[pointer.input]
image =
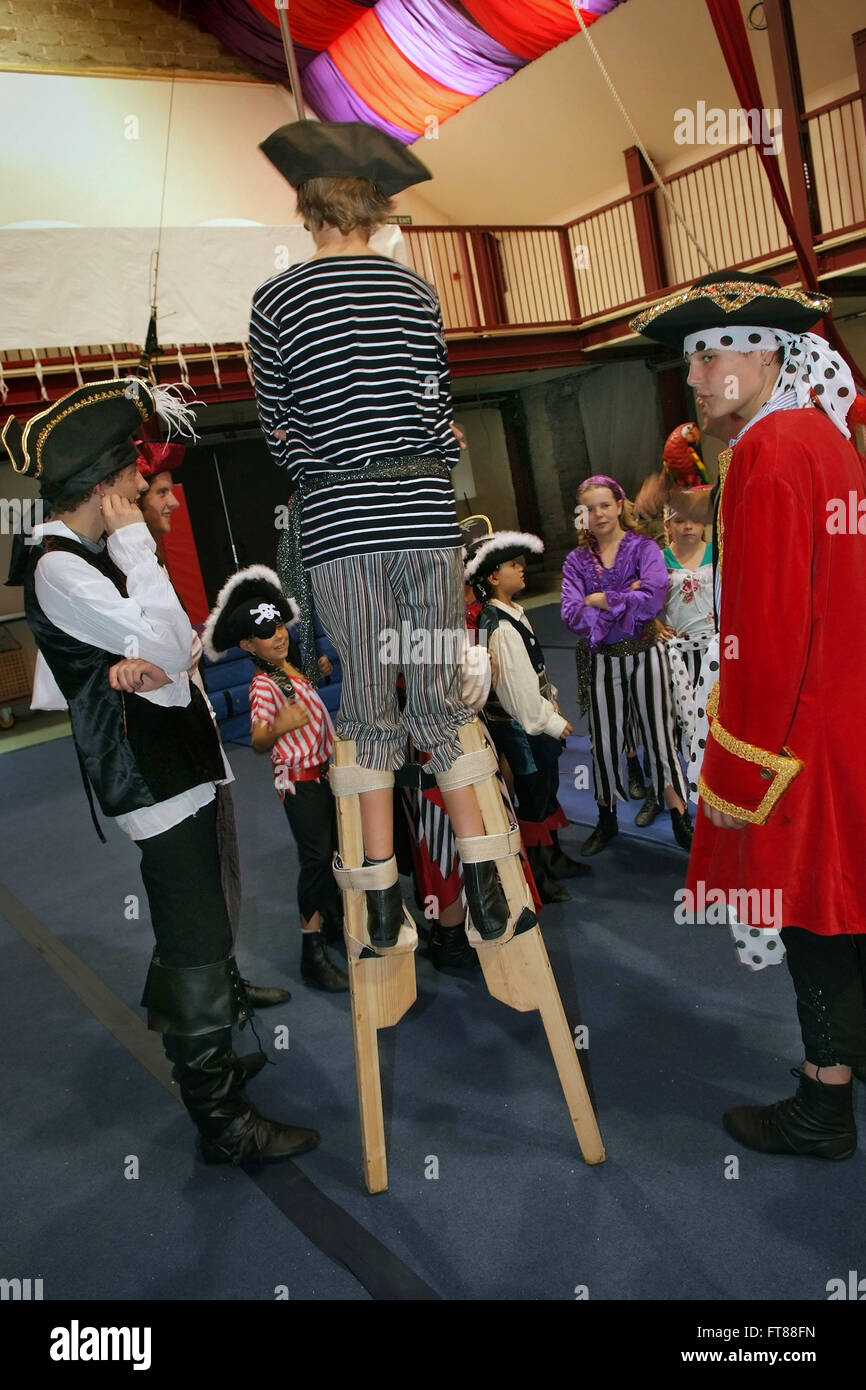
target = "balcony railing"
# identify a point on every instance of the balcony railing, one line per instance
(530, 277)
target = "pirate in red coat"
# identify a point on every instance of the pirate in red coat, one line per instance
(780, 840)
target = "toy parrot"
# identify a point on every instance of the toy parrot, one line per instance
(681, 460)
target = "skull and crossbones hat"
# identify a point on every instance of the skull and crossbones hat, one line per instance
(250, 604)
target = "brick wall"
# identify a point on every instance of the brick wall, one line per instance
(134, 34)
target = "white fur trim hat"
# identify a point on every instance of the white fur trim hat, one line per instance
(487, 554)
(250, 604)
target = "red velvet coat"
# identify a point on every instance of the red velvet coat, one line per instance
(793, 677)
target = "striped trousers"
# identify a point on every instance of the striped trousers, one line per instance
(639, 684)
(391, 612)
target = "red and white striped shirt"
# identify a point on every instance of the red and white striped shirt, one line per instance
(301, 750)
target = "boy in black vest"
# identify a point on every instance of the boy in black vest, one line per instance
(117, 648)
(524, 719)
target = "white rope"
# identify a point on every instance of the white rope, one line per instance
(657, 178)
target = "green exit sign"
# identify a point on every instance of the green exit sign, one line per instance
(401, 220)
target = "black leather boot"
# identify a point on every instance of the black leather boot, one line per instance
(265, 996)
(605, 830)
(317, 968)
(230, 1128)
(651, 808)
(450, 950)
(488, 907)
(384, 914)
(636, 787)
(818, 1121)
(560, 865)
(194, 1008)
(683, 830)
(549, 890)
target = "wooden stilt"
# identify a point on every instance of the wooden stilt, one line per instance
(382, 987)
(517, 970)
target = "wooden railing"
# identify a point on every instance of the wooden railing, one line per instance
(529, 277)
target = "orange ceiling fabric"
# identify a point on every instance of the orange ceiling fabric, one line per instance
(392, 86)
(527, 29)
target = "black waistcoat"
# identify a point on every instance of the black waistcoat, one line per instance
(488, 621)
(133, 752)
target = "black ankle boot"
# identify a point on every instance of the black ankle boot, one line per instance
(818, 1120)
(683, 830)
(488, 907)
(265, 996)
(636, 788)
(605, 830)
(450, 950)
(560, 865)
(317, 968)
(549, 890)
(651, 808)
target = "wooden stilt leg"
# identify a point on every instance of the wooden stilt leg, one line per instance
(382, 987)
(517, 970)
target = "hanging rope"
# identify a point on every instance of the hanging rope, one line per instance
(657, 178)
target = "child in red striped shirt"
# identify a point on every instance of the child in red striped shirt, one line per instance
(289, 721)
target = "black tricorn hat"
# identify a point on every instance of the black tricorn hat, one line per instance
(93, 423)
(729, 298)
(342, 149)
(250, 604)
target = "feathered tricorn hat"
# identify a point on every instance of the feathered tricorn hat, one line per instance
(489, 552)
(250, 604)
(87, 434)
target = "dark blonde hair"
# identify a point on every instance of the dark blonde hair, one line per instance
(345, 203)
(627, 521)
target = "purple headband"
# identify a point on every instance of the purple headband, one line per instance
(602, 480)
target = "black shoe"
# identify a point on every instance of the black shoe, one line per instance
(317, 968)
(606, 829)
(818, 1121)
(450, 950)
(250, 1138)
(683, 830)
(384, 914)
(488, 906)
(636, 788)
(265, 996)
(559, 865)
(549, 890)
(651, 808)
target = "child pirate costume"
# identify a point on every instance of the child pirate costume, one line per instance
(251, 608)
(778, 756)
(152, 757)
(521, 712)
(353, 391)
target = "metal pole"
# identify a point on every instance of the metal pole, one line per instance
(226, 511)
(282, 7)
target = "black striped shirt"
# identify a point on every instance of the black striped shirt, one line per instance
(349, 359)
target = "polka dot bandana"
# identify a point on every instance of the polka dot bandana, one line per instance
(811, 368)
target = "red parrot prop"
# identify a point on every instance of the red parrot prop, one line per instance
(856, 421)
(681, 461)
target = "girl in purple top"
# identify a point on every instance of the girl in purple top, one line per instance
(614, 585)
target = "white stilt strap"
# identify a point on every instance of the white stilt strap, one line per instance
(381, 875)
(349, 780)
(480, 849)
(469, 768)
